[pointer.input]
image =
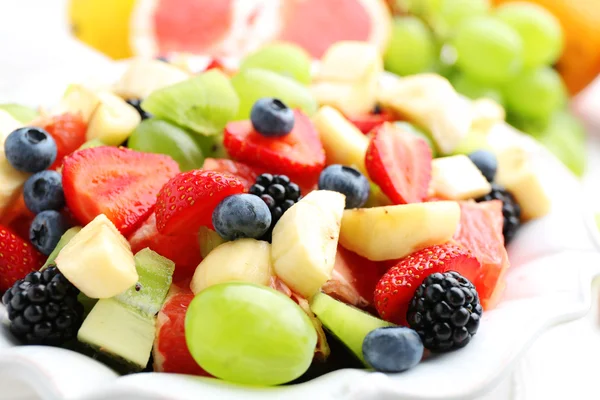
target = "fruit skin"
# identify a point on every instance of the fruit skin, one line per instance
(43, 308)
(241, 216)
(480, 232)
(397, 286)
(43, 191)
(68, 131)
(510, 210)
(392, 232)
(243, 172)
(297, 63)
(170, 351)
(30, 149)
(392, 349)
(348, 181)
(46, 230)
(445, 311)
(400, 164)
(299, 155)
(271, 117)
(305, 241)
(183, 250)
(17, 258)
(131, 177)
(486, 162)
(187, 201)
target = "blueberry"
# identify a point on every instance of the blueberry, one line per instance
(137, 104)
(392, 349)
(348, 181)
(241, 216)
(271, 117)
(30, 149)
(486, 162)
(46, 229)
(43, 191)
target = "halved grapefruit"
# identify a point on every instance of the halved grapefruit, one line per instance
(233, 28)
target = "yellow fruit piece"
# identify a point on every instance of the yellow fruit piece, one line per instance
(103, 25)
(113, 120)
(457, 178)
(343, 142)
(391, 232)
(11, 180)
(78, 99)
(143, 77)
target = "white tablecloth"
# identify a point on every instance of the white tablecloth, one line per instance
(36, 51)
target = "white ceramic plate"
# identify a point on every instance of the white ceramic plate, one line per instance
(554, 261)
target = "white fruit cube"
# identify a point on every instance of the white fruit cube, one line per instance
(143, 77)
(457, 178)
(350, 61)
(113, 120)
(343, 142)
(98, 260)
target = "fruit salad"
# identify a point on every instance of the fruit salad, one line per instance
(262, 225)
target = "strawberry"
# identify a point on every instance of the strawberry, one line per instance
(68, 131)
(299, 155)
(367, 122)
(245, 173)
(17, 258)
(18, 218)
(400, 163)
(187, 201)
(397, 286)
(183, 250)
(117, 182)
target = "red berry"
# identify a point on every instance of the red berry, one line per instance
(187, 201)
(68, 131)
(367, 122)
(398, 285)
(245, 173)
(17, 258)
(400, 163)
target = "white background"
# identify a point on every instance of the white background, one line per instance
(35, 51)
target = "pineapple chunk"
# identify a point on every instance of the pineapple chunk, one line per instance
(245, 260)
(145, 76)
(348, 98)
(387, 233)
(98, 260)
(457, 178)
(343, 142)
(305, 241)
(78, 99)
(11, 180)
(113, 120)
(516, 174)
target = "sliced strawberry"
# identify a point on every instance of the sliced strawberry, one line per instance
(117, 182)
(400, 163)
(183, 250)
(68, 131)
(18, 218)
(299, 154)
(367, 122)
(187, 201)
(17, 258)
(397, 286)
(245, 173)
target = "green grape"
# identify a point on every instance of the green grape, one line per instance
(204, 103)
(453, 12)
(412, 48)
(424, 9)
(21, 113)
(474, 89)
(535, 93)
(488, 49)
(284, 58)
(157, 136)
(565, 138)
(249, 334)
(407, 126)
(540, 31)
(253, 83)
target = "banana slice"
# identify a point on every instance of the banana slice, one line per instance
(305, 241)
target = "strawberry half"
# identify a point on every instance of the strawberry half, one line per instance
(68, 131)
(17, 258)
(400, 163)
(245, 173)
(187, 201)
(117, 182)
(299, 155)
(397, 287)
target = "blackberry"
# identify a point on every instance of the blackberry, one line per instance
(445, 311)
(137, 104)
(43, 308)
(510, 210)
(279, 193)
